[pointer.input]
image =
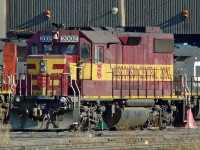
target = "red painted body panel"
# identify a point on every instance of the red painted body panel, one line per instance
(126, 89)
(10, 59)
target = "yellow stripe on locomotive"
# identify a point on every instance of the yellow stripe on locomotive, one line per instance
(135, 72)
(54, 67)
(49, 68)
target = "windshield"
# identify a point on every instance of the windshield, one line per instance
(68, 49)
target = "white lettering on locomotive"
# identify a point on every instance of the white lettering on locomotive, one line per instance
(69, 38)
(196, 76)
(46, 38)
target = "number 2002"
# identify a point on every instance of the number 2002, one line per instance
(70, 38)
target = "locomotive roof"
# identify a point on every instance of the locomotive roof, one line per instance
(110, 35)
(185, 50)
(142, 33)
(100, 36)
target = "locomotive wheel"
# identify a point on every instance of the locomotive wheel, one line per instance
(146, 125)
(73, 128)
(162, 125)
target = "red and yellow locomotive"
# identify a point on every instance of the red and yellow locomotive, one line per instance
(90, 76)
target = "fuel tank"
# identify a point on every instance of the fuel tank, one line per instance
(127, 117)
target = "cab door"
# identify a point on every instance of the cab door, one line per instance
(98, 63)
(99, 71)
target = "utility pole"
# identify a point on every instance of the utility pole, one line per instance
(123, 16)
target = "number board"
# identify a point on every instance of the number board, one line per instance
(46, 38)
(69, 38)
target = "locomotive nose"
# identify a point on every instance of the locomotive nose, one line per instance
(48, 76)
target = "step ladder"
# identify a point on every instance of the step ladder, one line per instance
(187, 94)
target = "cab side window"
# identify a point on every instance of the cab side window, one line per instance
(47, 48)
(33, 49)
(69, 49)
(85, 51)
(99, 54)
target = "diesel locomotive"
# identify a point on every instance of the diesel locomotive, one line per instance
(88, 78)
(8, 59)
(187, 62)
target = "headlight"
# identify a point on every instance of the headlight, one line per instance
(43, 66)
(43, 63)
(43, 69)
(17, 99)
(62, 99)
(22, 77)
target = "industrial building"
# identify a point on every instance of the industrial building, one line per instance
(21, 18)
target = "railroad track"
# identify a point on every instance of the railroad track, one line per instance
(169, 138)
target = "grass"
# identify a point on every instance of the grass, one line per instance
(4, 135)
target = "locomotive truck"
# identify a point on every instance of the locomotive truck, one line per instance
(84, 78)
